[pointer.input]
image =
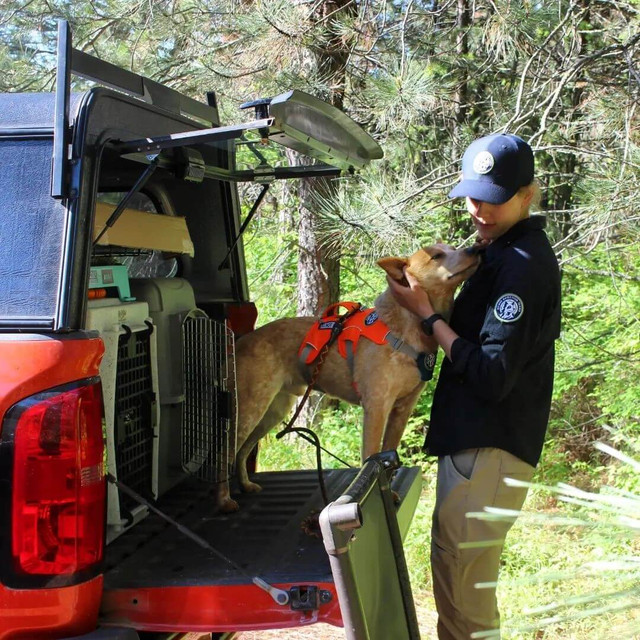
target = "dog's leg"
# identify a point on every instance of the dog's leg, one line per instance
(224, 501)
(254, 399)
(278, 409)
(398, 419)
(376, 409)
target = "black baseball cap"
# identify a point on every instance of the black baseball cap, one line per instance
(494, 168)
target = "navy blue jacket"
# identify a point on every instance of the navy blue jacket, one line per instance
(496, 389)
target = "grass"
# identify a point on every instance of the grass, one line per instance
(570, 571)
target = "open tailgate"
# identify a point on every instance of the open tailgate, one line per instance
(158, 579)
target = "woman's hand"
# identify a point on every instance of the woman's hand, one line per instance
(414, 297)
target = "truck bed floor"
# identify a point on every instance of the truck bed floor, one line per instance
(265, 538)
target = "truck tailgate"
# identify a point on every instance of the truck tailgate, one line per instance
(156, 578)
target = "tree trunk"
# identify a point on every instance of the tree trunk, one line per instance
(319, 274)
(463, 20)
(313, 280)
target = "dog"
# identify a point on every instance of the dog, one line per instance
(386, 382)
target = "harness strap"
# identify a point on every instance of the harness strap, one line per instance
(348, 345)
(306, 350)
(426, 362)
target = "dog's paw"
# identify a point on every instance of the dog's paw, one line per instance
(251, 487)
(229, 505)
(311, 525)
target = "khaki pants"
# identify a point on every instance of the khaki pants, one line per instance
(467, 482)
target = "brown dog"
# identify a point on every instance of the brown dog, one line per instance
(270, 376)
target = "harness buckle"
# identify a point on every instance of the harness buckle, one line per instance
(337, 328)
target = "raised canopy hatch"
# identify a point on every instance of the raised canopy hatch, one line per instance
(316, 128)
(293, 119)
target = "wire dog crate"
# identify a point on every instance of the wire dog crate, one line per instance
(134, 402)
(209, 409)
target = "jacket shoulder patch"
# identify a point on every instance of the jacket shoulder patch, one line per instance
(508, 308)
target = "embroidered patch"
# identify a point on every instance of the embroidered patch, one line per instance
(327, 325)
(509, 308)
(371, 318)
(483, 162)
(426, 364)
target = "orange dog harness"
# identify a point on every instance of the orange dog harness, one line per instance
(357, 323)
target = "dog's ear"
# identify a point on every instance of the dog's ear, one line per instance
(394, 267)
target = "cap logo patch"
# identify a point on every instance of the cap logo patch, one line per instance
(509, 308)
(483, 162)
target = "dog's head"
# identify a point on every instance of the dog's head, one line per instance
(438, 268)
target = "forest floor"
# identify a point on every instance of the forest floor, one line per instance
(425, 610)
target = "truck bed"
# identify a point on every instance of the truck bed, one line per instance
(158, 579)
(266, 538)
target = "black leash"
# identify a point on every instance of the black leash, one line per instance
(303, 431)
(315, 442)
(312, 437)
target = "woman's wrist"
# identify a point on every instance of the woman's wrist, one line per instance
(426, 310)
(428, 322)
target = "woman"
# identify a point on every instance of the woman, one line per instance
(491, 404)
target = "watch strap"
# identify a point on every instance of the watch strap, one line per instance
(427, 323)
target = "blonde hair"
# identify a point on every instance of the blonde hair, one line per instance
(536, 194)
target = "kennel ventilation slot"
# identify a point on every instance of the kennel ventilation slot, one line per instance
(209, 409)
(129, 374)
(135, 402)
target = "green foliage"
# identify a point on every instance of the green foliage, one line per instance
(598, 363)
(564, 75)
(583, 577)
(403, 94)
(363, 216)
(288, 453)
(340, 431)
(271, 269)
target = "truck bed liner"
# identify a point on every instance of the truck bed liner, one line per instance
(265, 538)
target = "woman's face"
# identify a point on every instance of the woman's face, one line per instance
(492, 220)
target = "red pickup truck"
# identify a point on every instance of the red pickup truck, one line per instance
(123, 288)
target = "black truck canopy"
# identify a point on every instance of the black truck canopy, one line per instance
(52, 145)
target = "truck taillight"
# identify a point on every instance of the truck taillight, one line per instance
(58, 501)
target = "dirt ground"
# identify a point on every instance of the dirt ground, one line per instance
(321, 631)
(425, 610)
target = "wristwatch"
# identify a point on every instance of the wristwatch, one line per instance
(427, 323)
